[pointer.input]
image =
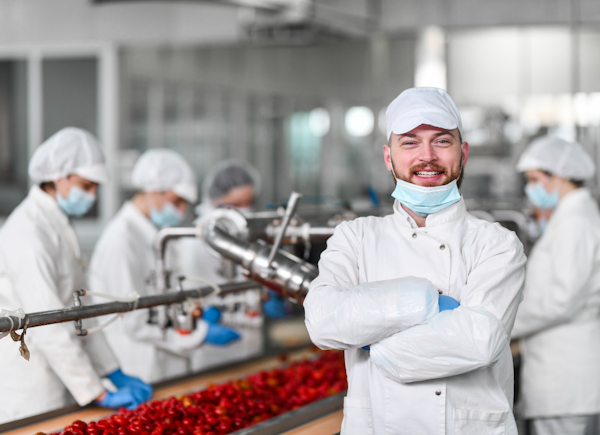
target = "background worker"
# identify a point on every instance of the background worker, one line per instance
(123, 262)
(40, 268)
(559, 320)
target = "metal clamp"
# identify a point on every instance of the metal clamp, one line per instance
(290, 211)
(79, 330)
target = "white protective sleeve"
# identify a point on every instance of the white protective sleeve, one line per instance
(556, 293)
(340, 314)
(34, 273)
(183, 345)
(100, 353)
(470, 337)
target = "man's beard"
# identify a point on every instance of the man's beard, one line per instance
(454, 175)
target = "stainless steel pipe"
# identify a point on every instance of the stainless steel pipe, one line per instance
(95, 310)
(160, 245)
(290, 276)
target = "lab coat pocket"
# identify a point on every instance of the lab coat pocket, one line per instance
(357, 416)
(472, 422)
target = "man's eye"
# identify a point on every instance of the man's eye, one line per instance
(409, 143)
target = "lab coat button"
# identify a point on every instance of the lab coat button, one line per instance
(414, 235)
(442, 247)
(438, 392)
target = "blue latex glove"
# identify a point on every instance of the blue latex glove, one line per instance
(220, 335)
(366, 347)
(212, 315)
(123, 398)
(447, 303)
(140, 388)
(275, 307)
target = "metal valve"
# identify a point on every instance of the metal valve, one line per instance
(267, 271)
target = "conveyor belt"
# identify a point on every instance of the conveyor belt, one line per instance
(324, 418)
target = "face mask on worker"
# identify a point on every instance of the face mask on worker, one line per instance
(168, 216)
(425, 200)
(539, 196)
(77, 203)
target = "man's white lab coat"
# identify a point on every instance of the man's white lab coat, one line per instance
(559, 319)
(451, 375)
(40, 267)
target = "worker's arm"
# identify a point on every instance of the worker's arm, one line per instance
(473, 335)
(556, 291)
(116, 269)
(34, 274)
(343, 314)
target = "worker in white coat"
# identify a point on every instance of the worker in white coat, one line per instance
(40, 268)
(234, 185)
(229, 184)
(417, 362)
(123, 263)
(559, 319)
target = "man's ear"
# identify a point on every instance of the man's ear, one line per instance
(465, 153)
(387, 156)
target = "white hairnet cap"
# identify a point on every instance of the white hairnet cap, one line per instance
(160, 170)
(418, 106)
(68, 151)
(557, 156)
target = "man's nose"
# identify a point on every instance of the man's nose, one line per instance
(427, 153)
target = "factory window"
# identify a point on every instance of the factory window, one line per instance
(13, 134)
(305, 149)
(359, 121)
(70, 99)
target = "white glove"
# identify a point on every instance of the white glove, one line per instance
(181, 344)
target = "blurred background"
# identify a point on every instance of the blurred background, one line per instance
(296, 87)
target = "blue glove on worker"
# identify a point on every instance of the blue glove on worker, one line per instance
(121, 380)
(141, 389)
(212, 315)
(125, 397)
(275, 307)
(447, 303)
(220, 335)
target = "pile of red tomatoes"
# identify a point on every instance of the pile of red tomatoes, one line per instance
(226, 408)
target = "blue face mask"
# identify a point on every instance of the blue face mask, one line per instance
(426, 200)
(540, 197)
(77, 203)
(169, 216)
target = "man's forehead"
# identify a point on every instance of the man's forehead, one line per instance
(428, 129)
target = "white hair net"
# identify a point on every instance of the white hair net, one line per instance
(418, 106)
(557, 156)
(68, 151)
(160, 170)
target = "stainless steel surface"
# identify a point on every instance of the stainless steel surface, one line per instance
(95, 310)
(298, 417)
(291, 275)
(300, 233)
(160, 245)
(293, 202)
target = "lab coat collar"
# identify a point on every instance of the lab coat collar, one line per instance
(52, 211)
(49, 205)
(452, 213)
(573, 201)
(140, 221)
